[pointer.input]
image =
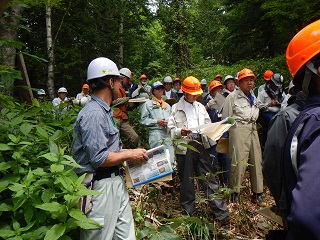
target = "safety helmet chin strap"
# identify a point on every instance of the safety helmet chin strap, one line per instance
(310, 69)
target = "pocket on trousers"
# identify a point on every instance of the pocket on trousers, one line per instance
(85, 202)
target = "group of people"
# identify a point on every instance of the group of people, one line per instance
(289, 160)
(81, 99)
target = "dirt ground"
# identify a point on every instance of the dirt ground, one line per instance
(156, 201)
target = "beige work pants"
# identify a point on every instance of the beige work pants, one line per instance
(244, 149)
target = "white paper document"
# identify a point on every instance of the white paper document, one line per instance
(156, 167)
(216, 130)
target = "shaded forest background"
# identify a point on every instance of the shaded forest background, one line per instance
(158, 38)
(58, 39)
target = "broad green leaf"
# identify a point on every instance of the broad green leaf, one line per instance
(53, 147)
(88, 224)
(4, 207)
(25, 143)
(71, 200)
(13, 138)
(55, 232)
(51, 157)
(15, 187)
(7, 233)
(4, 147)
(28, 213)
(25, 128)
(55, 135)
(42, 133)
(52, 207)
(189, 147)
(26, 228)
(71, 164)
(16, 121)
(36, 102)
(77, 214)
(47, 194)
(55, 168)
(15, 225)
(18, 202)
(39, 172)
(4, 166)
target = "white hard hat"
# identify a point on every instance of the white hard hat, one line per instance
(101, 67)
(125, 72)
(41, 92)
(277, 79)
(227, 78)
(203, 82)
(62, 90)
(167, 79)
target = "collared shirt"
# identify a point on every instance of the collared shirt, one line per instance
(191, 114)
(239, 107)
(95, 134)
(82, 95)
(168, 93)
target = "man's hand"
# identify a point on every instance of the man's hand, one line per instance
(185, 132)
(162, 122)
(138, 155)
(274, 102)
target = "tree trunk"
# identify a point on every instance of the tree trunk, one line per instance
(121, 40)
(9, 33)
(50, 49)
(3, 4)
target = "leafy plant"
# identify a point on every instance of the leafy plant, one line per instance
(38, 187)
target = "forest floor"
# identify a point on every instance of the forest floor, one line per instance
(156, 202)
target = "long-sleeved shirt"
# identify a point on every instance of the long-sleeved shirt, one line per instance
(95, 134)
(238, 106)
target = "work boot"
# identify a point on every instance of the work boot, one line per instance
(223, 219)
(235, 197)
(257, 199)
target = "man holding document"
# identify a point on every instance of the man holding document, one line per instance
(186, 115)
(98, 149)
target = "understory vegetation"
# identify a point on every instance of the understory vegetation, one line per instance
(39, 189)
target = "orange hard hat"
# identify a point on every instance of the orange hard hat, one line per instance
(143, 76)
(303, 46)
(246, 72)
(85, 86)
(191, 85)
(217, 76)
(267, 75)
(176, 79)
(214, 84)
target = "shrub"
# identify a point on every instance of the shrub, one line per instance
(38, 188)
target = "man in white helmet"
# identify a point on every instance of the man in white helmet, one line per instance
(41, 94)
(98, 149)
(62, 98)
(168, 93)
(204, 88)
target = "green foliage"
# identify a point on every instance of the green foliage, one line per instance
(38, 187)
(193, 227)
(141, 130)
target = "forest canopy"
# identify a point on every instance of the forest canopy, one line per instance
(158, 37)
